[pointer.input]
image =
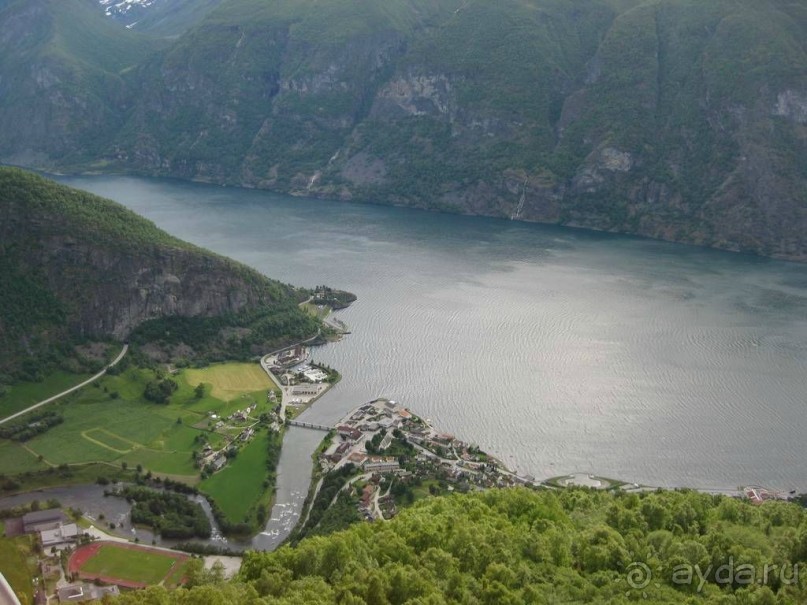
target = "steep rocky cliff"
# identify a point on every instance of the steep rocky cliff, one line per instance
(674, 119)
(77, 267)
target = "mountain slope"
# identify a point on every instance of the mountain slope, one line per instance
(61, 87)
(77, 267)
(514, 547)
(674, 119)
(158, 17)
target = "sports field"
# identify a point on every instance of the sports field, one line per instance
(125, 564)
(229, 380)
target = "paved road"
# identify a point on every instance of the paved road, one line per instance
(71, 389)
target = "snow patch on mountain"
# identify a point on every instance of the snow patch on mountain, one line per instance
(126, 9)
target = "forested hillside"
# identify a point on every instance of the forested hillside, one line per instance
(77, 268)
(517, 546)
(676, 119)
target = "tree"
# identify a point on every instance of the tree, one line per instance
(160, 391)
(199, 391)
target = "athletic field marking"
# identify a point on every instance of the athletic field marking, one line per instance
(86, 435)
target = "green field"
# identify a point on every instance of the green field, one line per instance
(239, 486)
(146, 566)
(229, 380)
(18, 566)
(25, 394)
(111, 422)
(14, 459)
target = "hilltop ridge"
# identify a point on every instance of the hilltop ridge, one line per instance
(673, 119)
(77, 267)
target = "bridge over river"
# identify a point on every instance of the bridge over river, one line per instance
(310, 425)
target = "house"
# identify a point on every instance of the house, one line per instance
(219, 463)
(306, 389)
(385, 442)
(348, 432)
(76, 593)
(381, 465)
(61, 536)
(357, 458)
(43, 519)
(443, 438)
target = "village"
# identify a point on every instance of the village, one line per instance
(388, 455)
(298, 383)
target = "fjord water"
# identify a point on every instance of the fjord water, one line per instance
(556, 350)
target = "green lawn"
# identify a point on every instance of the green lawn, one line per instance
(239, 486)
(18, 566)
(177, 575)
(110, 422)
(14, 459)
(146, 566)
(227, 381)
(25, 394)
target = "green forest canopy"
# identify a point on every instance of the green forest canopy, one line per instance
(519, 546)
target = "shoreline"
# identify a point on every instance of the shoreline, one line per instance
(571, 480)
(68, 173)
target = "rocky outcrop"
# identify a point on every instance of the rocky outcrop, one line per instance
(121, 289)
(105, 271)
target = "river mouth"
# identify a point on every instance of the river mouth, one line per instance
(557, 350)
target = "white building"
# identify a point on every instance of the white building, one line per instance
(315, 375)
(61, 536)
(381, 465)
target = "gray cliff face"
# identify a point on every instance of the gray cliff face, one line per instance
(108, 286)
(120, 290)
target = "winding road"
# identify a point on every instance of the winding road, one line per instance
(71, 389)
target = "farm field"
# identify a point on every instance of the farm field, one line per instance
(126, 564)
(25, 394)
(229, 380)
(15, 459)
(239, 486)
(111, 422)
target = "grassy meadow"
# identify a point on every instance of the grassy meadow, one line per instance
(18, 565)
(110, 422)
(239, 486)
(25, 394)
(109, 425)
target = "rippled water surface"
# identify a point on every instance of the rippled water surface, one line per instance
(557, 350)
